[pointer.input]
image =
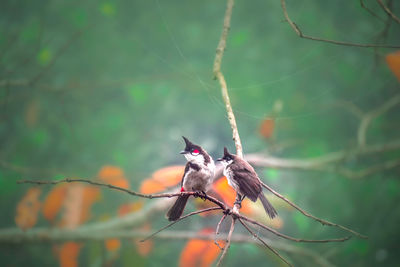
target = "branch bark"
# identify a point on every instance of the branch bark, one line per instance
(388, 11)
(264, 243)
(44, 235)
(322, 163)
(218, 75)
(298, 31)
(373, 114)
(228, 242)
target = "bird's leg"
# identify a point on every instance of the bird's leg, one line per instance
(201, 194)
(238, 200)
(204, 195)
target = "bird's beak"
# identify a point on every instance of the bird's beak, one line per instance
(183, 152)
(220, 159)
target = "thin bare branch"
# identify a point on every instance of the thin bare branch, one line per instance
(370, 11)
(180, 219)
(228, 242)
(40, 235)
(300, 240)
(322, 162)
(301, 35)
(323, 222)
(217, 230)
(130, 192)
(388, 11)
(218, 75)
(350, 107)
(263, 242)
(387, 165)
(370, 116)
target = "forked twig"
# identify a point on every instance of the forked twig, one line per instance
(302, 35)
(323, 222)
(217, 230)
(370, 11)
(373, 114)
(180, 219)
(228, 242)
(300, 240)
(218, 75)
(130, 192)
(263, 242)
(388, 11)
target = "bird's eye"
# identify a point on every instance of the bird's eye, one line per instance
(195, 152)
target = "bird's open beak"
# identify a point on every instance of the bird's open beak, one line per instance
(183, 152)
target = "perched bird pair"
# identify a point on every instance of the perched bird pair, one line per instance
(199, 175)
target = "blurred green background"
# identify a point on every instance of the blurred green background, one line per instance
(85, 84)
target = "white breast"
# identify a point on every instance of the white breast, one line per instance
(199, 180)
(228, 174)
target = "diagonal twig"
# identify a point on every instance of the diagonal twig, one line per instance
(323, 222)
(263, 242)
(386, 165)
(40, 235)
(302, 35)
(218, 75)
(370, 11)
(180, 219)
(388, 11)
(217, 230)
(300, 240)
(130, 192)
(373, 114)
(228, 243)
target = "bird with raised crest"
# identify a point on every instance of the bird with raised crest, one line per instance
(244, 179)
(198, 176)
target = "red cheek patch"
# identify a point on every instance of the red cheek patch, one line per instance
(195, 151)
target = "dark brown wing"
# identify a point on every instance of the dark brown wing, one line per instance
(246, 178)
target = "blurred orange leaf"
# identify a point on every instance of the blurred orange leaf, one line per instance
(78, 201)
(267, 127)
(144, 248)
(150, 186)
(54, 202)
(112, 244)
(393, 61)
(169, 176)
(228, 194)
(113, 175)
(199, 252)
(162, 179)
(28, 208)
(68, 254)
(249, 208)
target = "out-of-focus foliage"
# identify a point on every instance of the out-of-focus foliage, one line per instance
(85, 85)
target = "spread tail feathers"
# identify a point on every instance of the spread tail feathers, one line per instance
(267, 206)
(176, 210)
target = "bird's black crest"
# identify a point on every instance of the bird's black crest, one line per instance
(190, 146)
(227, 156)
